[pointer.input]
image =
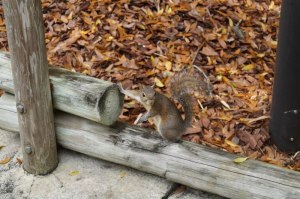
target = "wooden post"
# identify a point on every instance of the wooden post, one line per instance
(25, 29)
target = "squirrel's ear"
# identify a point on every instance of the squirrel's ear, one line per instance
(141, 87)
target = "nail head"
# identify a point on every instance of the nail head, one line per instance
(28, 149)
(20, 108)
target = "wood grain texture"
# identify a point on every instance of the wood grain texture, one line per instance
(75, 93)
(25, 31)
(187, 163)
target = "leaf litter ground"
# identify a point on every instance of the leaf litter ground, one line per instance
(146, 42)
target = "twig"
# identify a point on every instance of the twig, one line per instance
(209, 89)
(223, 102)
(193, 61)
(239, 22)
(138, 118)
(199, 47)
(296, 154)
(200, 104)
(258, 119)
(159, 55)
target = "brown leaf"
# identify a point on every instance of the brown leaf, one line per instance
(205, 122)
(127, 63)
(63, 45)
(248, 139)
(5, 160)
(207, 50)
(20, 161)
(222, 43)
(64, 19)
(192, 131)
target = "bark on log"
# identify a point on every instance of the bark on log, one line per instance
(25, 32)
(75, 93)
(190, 164)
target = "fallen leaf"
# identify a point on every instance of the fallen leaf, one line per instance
(5, 160)
(20, 161)
(158, 82)
(240, 160)
(205, 122)
(209, 51)
(248, 67)
(248, 138)
(168, 65)
(123, 174)
(1, 146)
(64, 19)
(180, 189)
(230, 22)
(74, 173)
(191, 130)
(231, 143)
(272, 5)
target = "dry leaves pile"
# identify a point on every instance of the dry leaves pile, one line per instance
(146, 41)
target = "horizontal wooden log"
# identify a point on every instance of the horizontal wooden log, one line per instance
(74, 93)
(187, 163)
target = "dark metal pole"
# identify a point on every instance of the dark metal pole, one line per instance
(285, 113)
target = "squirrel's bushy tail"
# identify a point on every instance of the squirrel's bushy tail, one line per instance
(182, 87)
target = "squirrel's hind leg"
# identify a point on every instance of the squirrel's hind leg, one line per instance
(172, 135)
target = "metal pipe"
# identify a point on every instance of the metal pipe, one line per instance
(285, 112)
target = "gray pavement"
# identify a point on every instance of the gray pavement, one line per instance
(79, 177)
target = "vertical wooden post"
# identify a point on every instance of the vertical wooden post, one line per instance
(25, 29)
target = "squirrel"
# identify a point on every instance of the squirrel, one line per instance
(167, 118)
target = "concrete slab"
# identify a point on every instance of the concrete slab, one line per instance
(79, 177)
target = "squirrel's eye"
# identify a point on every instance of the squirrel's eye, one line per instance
(144, 95)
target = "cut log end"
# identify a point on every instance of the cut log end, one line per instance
(110, 105)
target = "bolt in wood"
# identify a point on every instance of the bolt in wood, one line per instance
(20, 108)
(28, 149)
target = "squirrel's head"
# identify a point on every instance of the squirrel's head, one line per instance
(147, 95)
